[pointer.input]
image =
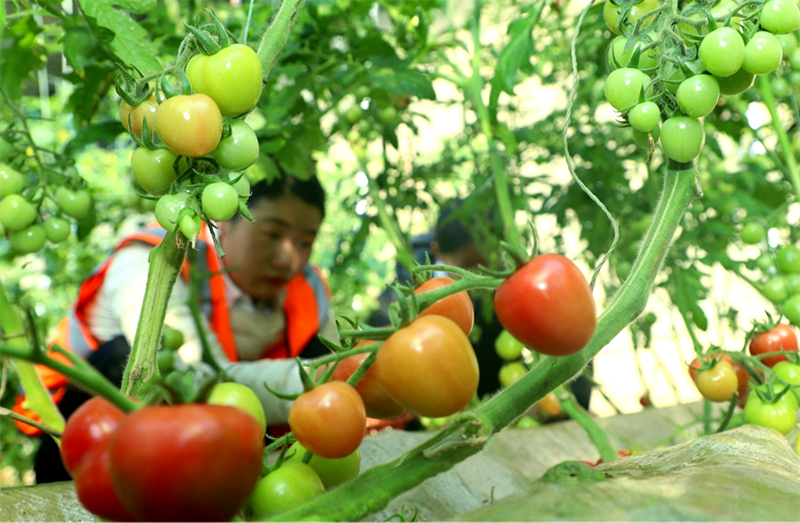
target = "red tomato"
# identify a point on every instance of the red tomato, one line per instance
(429, 367)
(188, 462)
(548, 306)
(377, 400)
(94, 487)
(330, 420)
(457, 307)
(781, 337)
(90, 425)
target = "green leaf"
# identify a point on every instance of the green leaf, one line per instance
(401, 82)
(131, 43)
(518, 49)
(78, 43)
(91, 134)
(90, 90)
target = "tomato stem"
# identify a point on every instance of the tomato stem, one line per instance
(589, 424)
(275, 38)
(165, 264)
(791, 164)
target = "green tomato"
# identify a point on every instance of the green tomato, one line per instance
(794, 283)
(168, 209)
(189, 225)
(698, 96)
(242, 186)
(722, 51)
(682, 138)
(507, 346)
(292, 484)
(28, 240)
(611, 13)
(171, 339)
(239, 150)
(220, 201)
(56, 229)
(11, 181)
(6, 149)
(75, 204)
(643, 139)
(623, 87)
(791, 309)
(528, 422)
(153, 169)
(776, 289)
(788, 44)
(780, 87)
(231, 77)
(241, 396)
(618, 57)
(781, 415)
(788, 372)
(780, 16)
(166, 361)
(332, 471)
(765, 262)
(794, 61)
(388, 115)
(762, 54)
(753, 233)
(16, 213)
(354, 114)
(788, 259)
(737, 83)
(511, 373)
(644, 117)
(623, 269)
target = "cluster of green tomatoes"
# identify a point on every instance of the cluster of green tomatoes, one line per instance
(194, 144)
(27, 218)
(780, 271)
(675, 66)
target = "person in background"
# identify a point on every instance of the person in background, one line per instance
(263, 305)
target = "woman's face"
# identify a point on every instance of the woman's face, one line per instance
(263, 256)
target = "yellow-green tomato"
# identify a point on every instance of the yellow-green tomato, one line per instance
(780, 415)
(292, 484)
(232, 78)
(332, 471)
(507, 346)
(239, 150)
(788, 372)
(511, 373)
(238, 395)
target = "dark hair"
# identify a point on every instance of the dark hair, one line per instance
(452, 233)
(309, 191)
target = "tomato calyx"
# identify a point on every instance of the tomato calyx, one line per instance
(768, 394)
(211, 44)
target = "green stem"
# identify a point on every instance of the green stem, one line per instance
(592, 428)
(706, 416)
(389, 224)
(468, 433)
(783, 138)
(36, 394)
(165, 264)
(275, 38)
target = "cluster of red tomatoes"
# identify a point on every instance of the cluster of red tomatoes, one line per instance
(772, 401)
(682, 81)
(21, 215)
(780, 271)
(202, 133)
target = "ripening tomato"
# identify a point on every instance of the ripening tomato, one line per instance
(94, 487)
(457, 307)
(429, 367)
(742, 377)
(718, 383)
(548, 306)
(377, 400)
(550, 405)
(232, 77)
(191, 462)
(329, 420)
(332, 472)
(240, 396)
(781, 337)
(133, 117)
(92, 423)
(190, 125)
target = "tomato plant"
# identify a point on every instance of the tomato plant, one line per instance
(548, 306)
(429, 367)
(190, 125)
(153, 169)
(292, 484)
(780, 415)
(781, 337)
(220, 201)
(718, 383)
(188, 462)
(332, 472)
(232, 78)
(240, 396)
(329, 420)
(377, 400)
(456, 307)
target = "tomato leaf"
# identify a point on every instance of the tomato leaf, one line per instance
(78, 44)
(130, 42)
(91, 134)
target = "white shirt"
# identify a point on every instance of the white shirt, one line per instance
(118, 304)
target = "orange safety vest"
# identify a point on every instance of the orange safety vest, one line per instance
(305, 306)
